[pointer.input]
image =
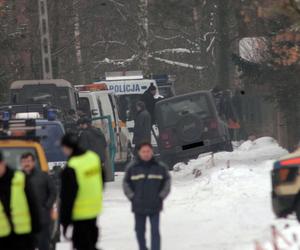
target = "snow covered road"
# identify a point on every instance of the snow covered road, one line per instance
(226, 208)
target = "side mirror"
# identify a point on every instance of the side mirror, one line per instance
(94, 112)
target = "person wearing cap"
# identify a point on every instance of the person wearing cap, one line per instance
(149, 100)
(20, 215)
(81, 193)
(91, 138)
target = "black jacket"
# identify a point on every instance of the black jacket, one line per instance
(142, 128)
(149, 101)
(146, 184)
(69, 188)
(19, 241)
(46, 194)
(93, 139)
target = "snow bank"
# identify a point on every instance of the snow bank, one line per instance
(230, 193)
(248, 153)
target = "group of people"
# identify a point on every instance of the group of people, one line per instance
(27, 195)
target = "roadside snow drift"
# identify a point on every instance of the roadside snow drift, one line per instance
(218, 202)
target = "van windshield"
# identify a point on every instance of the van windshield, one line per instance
(12, 156)
(45, 94)
(172, 111)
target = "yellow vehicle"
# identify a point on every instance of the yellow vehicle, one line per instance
(18, 137)
(12, 150)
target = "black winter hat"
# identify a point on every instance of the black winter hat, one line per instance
(70, 140)
(152, 87)
(84, 120)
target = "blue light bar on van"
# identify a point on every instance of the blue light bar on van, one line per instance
(51, 114)
(5, 116)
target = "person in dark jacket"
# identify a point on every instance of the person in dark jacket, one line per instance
(14, 240)
(142, 125)
(91, 138)
(46, 196)
(81, 193)
(146, 184)
(149, 100)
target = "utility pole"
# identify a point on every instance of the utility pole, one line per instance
(45, 40)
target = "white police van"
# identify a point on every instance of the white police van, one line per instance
(128, 86)
(97, 101)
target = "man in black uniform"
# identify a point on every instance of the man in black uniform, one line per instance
(146, 184)
(46, 194)
(142, 126)
(149, 100)
(19, 211)
(81, 193)
(91, 138)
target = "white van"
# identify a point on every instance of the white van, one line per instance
(103, 103)
(128, 93)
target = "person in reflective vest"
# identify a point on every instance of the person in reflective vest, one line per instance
(81, 193)
(19, 211)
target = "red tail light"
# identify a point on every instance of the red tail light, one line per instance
(283, 174)
(166, 139)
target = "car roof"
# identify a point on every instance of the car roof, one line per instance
(57, 82)
(184, 96)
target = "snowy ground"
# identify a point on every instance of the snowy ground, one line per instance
(226, 207)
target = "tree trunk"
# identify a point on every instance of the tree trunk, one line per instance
(223, 45)
(143, 37)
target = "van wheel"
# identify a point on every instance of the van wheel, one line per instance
(297, 209)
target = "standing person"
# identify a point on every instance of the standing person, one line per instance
(81, 193)
(19, 211)
(142, 125)
(149, 100)
(46, 196)
(146, 184)
(91, 138)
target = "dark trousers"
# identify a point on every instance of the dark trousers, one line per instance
(17, 242)
(85, 234)
(43, 238)
(140, 228)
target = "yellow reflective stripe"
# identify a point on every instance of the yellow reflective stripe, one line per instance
(138, 177)
(19, 205)
(5, 228)
(155, 176)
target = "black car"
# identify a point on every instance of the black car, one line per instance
(188, 126)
